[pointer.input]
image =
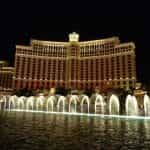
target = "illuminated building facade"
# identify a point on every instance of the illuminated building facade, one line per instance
(6, 76)
(74, 64)
(3, 63)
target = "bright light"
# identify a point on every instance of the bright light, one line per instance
(83, 114)
(73, 37)
(52, 91)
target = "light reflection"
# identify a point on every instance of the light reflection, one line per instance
(79, 105)
(84, 114)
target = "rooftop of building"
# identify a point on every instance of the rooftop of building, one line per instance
(3, 62)
(74, 37)
(125, 44)
(7, 69)
(100, 41)
(23, 47)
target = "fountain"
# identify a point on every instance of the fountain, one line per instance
(61, 104)
(73, 103)
(131, 106)
(12, 102)
(50, 103)
(3, 102)
(146, 105)
(99, 104)
(40, 103)
(77, 105)
(20, 102)
(85, 100)
(114, 105)
(30, 103)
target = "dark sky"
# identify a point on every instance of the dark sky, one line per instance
(20, 21)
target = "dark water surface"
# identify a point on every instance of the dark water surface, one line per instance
(37, 131)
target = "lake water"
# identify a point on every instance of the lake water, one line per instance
(40, 131)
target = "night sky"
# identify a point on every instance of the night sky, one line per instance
(21, 21)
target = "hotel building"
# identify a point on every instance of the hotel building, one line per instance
(6, 76)
(74, 64)
(3, 63)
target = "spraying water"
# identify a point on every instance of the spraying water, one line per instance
(85, 99)
(50, 103)
(69, 105)
(40, 102)
(12, 102)
(61, 104)
(114, 105)
(131, 106)
(99, 104)
(3, 102)
(73, 103)
(21, 102)
(146, 105)
(30, 103)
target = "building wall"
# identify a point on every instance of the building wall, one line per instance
(6, 77)
(80, 65)
(3, 63)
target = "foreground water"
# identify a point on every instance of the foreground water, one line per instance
(40, 131)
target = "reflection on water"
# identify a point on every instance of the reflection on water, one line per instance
(39, 131)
